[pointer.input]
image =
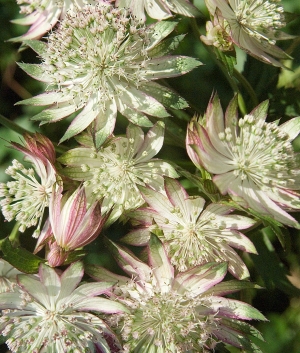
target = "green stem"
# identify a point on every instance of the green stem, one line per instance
(242, 79)
(15, 234)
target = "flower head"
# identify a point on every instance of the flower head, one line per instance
(252, 160)
(26, 198)
(101, 61)
(173, 313)
(72, 225)
(252, 25)
(158, 9)
(192, 234)
(8, 276)
(50, 313)
(114, 172)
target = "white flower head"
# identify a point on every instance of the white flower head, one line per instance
(173, 313)
(51, 313)
(101, 61)
(158, 9)
(252, 25)
(253, 161)
(26, 198)
(192, 234)
(113, 173)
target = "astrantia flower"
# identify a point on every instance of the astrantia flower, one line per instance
(42, 15)
(8, 276)
(114, 172)
(51, 313)
(252, 160)
(100, 61)
(193, 235)
(26, 198)
(72, 225)
(177, 313)
(253, 25)
(158, 9)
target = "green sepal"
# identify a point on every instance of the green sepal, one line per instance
(74, 256)
(164, 95)
(38, 46)
(166, 46)
(20, 258)
(34, 70)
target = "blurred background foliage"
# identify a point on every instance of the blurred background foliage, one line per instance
(277, 268)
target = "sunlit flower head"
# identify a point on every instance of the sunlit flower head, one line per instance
(252, 25)
(26, 198)
(192, 234)
(43, 15)
(71, 225)
(8, 276)
(113, 173)
(253, 161)
(101, 61)
(158, 9)
(51, 313)
(171, 313)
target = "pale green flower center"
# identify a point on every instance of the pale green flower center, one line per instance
(169, 322)
(93, 51)
(260, 17)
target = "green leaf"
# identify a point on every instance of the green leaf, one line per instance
(272, 270)
(20, 258)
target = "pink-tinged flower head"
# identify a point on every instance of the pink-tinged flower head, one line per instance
(71, 225)
(158, 9)
(173, 313)
(192, 234)
(252, 25)
(251, 160)
(100, 61)
(26, 198)
(51, 313)
(114, 172)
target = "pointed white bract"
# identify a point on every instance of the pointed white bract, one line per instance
(8, 276)
(192, 233)
(253, 161)
(158, 9)
(173, 313)
(51, 313)
(252, 25)
(113, 173)
(26, 198)
(101, 61)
